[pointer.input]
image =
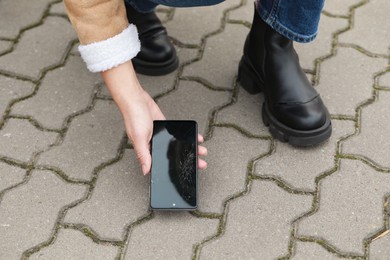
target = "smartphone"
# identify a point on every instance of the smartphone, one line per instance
(174, 173)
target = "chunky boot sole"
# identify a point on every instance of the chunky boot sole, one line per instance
(250, 81)
(292, 136)
(154, 68)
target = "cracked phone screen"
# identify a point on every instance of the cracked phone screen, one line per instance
(174, 165)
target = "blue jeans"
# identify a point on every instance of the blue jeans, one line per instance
(296, 20)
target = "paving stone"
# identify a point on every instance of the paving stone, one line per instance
(161, 84)
(39, 48)
(244, 13)
(346, 81)
(384, 80)
(33, 209)
(376, 31)
(179, 228)
(13, 15)
(63, 91)
(19, 140)
(258, 224)
(120, 197)
(322, 45)
(75, 51)
(10, 175)
(164, 13)
(373, 141)
(220, 60)
(351, 207)
(185, 20)
(58, 8)
(307, 251)
(4, 46)
(72, 244)
(158, 85)
(92, 138)
(380, 248)
(229, 152)
(299, 167)
(245, 113)
(192, 101)
(337, 7)
(11, 89)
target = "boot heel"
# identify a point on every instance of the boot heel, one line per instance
(248, 78)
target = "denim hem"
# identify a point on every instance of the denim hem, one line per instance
(283, 30)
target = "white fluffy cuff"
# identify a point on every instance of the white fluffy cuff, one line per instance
(104, 55)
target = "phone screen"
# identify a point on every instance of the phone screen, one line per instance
(174, 165)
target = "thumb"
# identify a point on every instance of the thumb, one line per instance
(141, 148)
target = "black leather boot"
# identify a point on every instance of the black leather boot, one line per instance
(293, 110)
(157, 56)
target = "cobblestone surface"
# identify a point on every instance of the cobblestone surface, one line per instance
(70, 184)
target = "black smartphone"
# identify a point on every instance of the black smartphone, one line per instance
(174, 173)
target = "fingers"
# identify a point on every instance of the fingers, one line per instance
(202, 150)
(202, 164)
(200, 138)
(141, 148)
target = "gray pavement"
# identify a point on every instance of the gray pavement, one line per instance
(70, 185)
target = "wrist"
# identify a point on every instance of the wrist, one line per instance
(122, 83)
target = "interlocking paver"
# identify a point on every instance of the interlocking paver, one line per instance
(226, 173)
(245, 113)
(164, 13)
(346, 81)
(219, 64)
(258, 224)
(179, 228)
(13, 15)
(336, 7)
(10, 175)
(351, 207)
(376, 31)
(92, 138)
(373, 141)
(159, 85)
(68, 245)
(39, 48)
(306, 251)
(384, 81)
(11, 89)
(4, 46)
(63, 91)
(29, 212)
(380, 248)
(19, 139)
(178, 28)
(299, 167)
(322, 46)
(58, 8)
(193, 101)
(120, 197)
(243, 14)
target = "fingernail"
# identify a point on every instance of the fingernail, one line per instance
(144, 169)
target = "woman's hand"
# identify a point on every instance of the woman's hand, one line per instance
(138, 110)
